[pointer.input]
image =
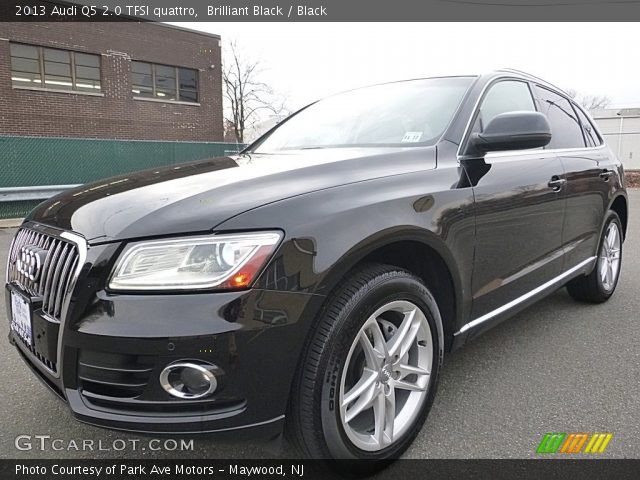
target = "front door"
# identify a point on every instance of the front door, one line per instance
(519, 205)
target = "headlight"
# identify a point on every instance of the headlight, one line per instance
(221, 261)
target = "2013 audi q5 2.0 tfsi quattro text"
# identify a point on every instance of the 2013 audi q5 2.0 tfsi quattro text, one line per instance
(313, 283)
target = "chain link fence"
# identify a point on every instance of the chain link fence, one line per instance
(57, 163)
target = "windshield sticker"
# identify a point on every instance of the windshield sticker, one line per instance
(411, 137)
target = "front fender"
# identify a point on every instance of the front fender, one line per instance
(328, 232)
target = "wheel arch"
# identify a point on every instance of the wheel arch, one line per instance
(420, 252)
(619, 205)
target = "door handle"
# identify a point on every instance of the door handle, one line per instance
(606, 175)
(556, 183)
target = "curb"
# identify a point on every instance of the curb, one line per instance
(10, 222)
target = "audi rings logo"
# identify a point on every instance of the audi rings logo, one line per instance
(30, 261)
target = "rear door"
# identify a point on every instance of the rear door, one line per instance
(519, 202)
(589, 173)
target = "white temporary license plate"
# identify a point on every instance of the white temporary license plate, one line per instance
(21, 317)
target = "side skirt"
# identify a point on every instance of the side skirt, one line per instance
(554, 282)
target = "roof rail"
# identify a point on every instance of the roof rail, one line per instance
(527, 74)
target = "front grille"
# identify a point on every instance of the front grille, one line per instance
(56, 272)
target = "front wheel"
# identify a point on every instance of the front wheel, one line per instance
(600, 284)
(369, 374)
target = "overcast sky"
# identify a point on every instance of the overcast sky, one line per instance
(306, 61)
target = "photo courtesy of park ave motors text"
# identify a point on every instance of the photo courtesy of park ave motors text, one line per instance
(338, 241)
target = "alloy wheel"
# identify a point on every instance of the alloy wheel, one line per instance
(609, 258)
(386, 376)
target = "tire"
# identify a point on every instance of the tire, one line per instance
(597, 287)
(335, 361)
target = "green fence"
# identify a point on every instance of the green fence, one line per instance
(43, 161)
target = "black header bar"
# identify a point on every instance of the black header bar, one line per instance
(583, 469)
(320, 10)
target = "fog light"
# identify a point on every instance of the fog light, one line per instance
(189, 380)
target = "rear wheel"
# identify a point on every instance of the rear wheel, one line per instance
(369, 374)
(600, 284)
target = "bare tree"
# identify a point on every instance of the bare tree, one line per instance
(247, 97)
(595, 102)
(590, 102)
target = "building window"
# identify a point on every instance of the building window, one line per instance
(164, 82)
(55, 69)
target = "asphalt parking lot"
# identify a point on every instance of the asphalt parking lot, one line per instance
(559, 366)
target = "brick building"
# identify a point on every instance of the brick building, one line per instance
(116, 80)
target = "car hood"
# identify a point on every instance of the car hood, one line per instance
(198, 196)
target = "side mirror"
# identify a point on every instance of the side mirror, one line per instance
(513, 131)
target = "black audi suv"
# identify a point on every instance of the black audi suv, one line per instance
(313, 283)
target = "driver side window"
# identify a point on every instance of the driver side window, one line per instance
(502, 97)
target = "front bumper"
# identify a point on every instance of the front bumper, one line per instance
(113, 348)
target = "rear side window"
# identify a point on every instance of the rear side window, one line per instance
(566, 131)
(503, 97)
(590, 134)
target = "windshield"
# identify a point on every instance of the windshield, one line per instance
(403, 114)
